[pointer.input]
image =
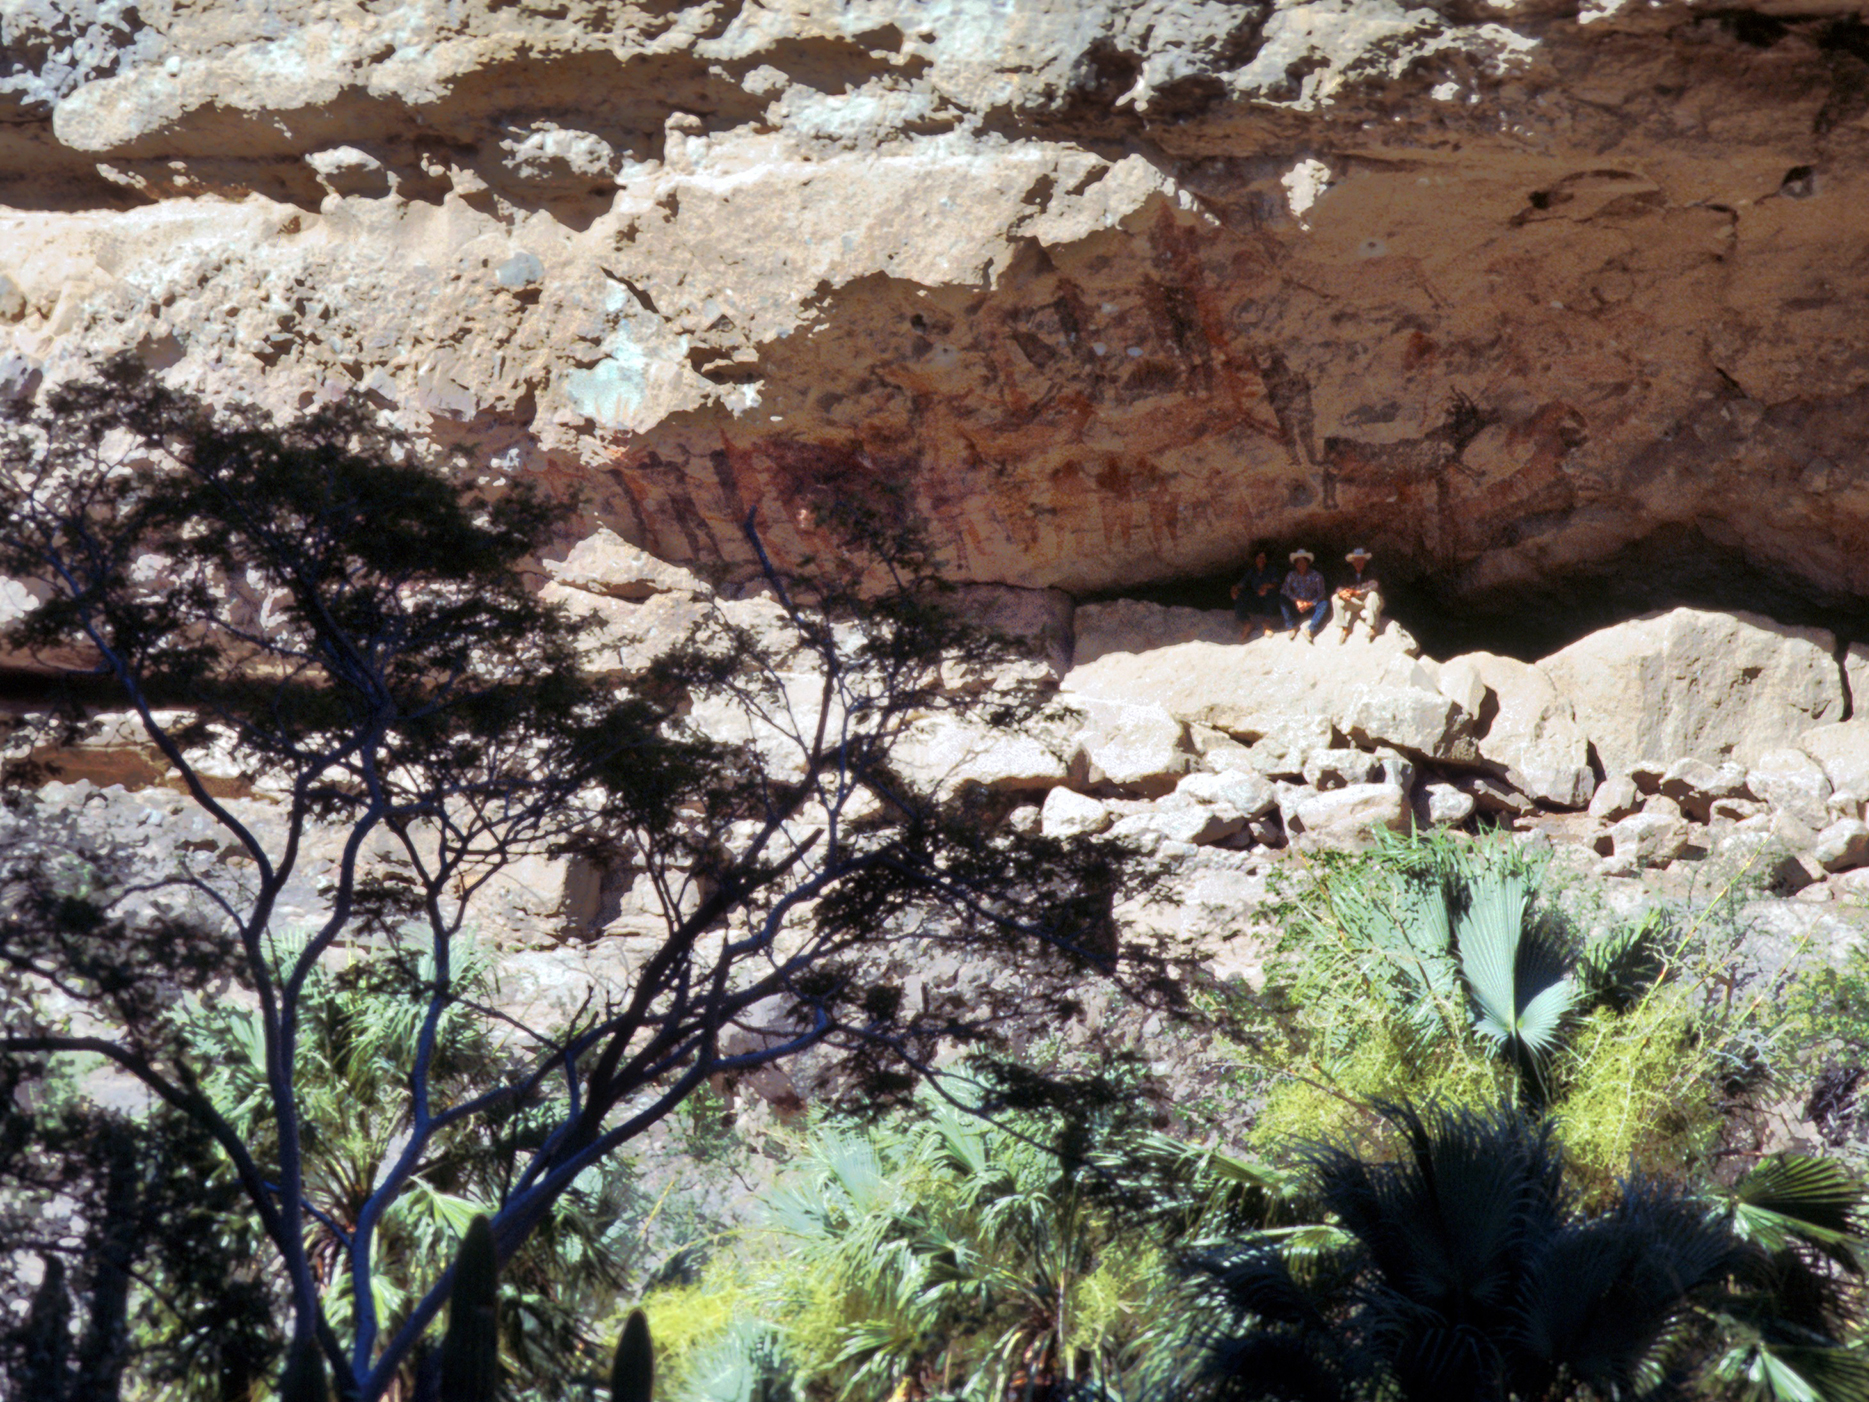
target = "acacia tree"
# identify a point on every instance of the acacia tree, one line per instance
(356, 632)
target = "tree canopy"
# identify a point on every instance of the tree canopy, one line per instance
(355, 629)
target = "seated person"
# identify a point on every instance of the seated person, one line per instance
(1305, 597)
(1362, 596)
(1256, 597)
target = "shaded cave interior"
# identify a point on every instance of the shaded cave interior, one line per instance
(1670, 568)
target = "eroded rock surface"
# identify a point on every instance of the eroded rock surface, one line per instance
(1103, 288)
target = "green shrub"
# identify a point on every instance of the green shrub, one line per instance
(1434, 969)
(952, 1257)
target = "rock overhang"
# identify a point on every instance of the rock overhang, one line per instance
(1504, 293)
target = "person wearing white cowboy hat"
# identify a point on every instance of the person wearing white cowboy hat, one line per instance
(1361, 598)
(1305, 597)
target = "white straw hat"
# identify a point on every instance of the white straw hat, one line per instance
(1301, 554)
(1359, 554)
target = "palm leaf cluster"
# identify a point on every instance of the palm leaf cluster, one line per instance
(1468, 1270)
(961, 1260)
(357, 1037)
(949, 1256)
(1449, 940)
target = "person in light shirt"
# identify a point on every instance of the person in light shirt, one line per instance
(1361, 598)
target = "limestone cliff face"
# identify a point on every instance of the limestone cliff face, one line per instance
(1103, 288)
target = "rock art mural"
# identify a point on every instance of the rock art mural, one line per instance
(1101, 291)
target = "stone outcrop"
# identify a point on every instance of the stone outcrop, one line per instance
(1843, 751)
(1253, 691)
(1791, 780)
(1542, 301)
(1526, 727)
(1102, 290)
(1212, 760)
(1714, 686)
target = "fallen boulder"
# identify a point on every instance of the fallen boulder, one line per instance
(1791, 780)
(1843, 845)
(1067, 814)
(1285, 745)
(1349, 817)
(1711, 685)
(1615, 798)
(1649, 839)
(1410, 718)
(1328, 769)
(1843, 751)
(1696, 785)
(1491, 795)
(1248, 794)
(947, 755)
(1130, 746)
(1181, 818)
(1525, 727)
(1442, 806)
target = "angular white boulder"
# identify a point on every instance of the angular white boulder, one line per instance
(1525, 728)
(1695, 785)
(1791, 780)
(1335, 769)
(1461, 681)
(1843, 845)
(1443, 806)
(1067, 814)
(1734, 810)
(1242, 791)
(947, 754)
(1287, 742)
(1349, 817)
(1492, 795)
(1138, 747)
(1843, 751)
(1178, 818)
(1694, 682)
(1411, 718)
(1615, 798)
(1649, 839)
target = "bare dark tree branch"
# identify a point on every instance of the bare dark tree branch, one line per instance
(393, 680)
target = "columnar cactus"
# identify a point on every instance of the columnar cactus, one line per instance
(632, 1376)
(470, 1350)
(303, 1379)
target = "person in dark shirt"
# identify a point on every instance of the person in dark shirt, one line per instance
(1256, 597)
(1305, 597)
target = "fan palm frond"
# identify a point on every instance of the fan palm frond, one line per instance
(1795, 1197)
(1625, 961)
(1467, 1270)
(1517, 970)
(1603, 1296)
(1764, 1372)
